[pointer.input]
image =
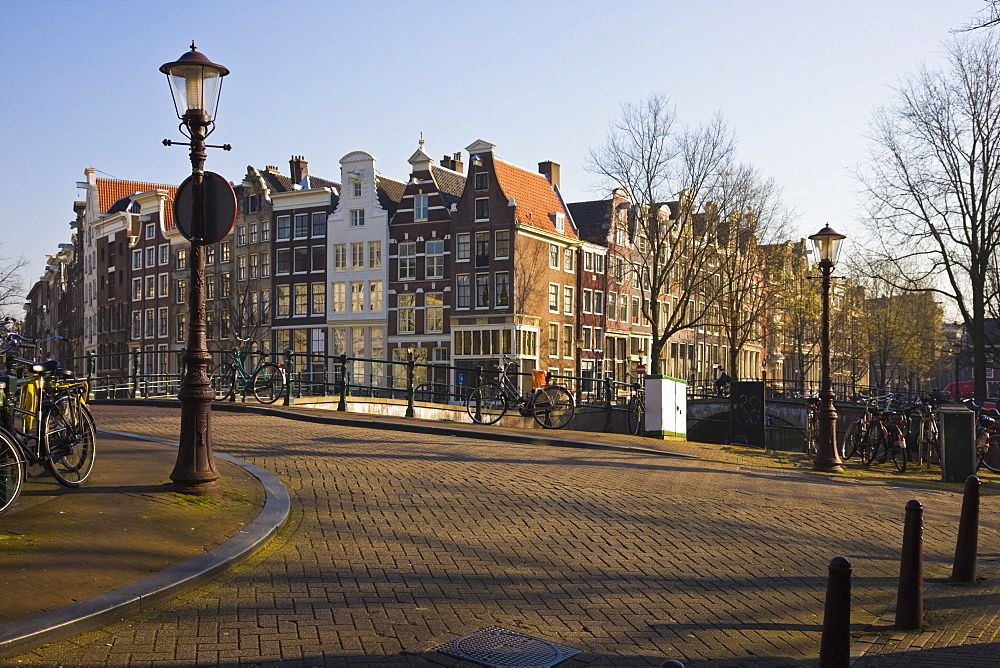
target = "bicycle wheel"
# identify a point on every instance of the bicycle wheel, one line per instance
(486, 404)
(269, 383)
(988, 454)
(636, 412)
(851, 439)
(11, 471)
(223, 379)
(874, 443)
(69, 441)
(897, 449)
(552, 406)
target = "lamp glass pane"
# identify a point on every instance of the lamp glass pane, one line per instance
(195, 87)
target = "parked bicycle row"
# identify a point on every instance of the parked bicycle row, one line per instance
(44, 420)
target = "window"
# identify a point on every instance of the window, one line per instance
(375, 295)
(358, 255)
(180, 290)
(553, 298)
(226, 251)
(482, 290)
(301, 305)
(339, 257)
(357, 217)
(374, 254)
(300, 259)
(149, 291)
(502, 244)
(150, 324)
(482, 249)
(163, 285)
(164, 254)
(635, 310)
(137, 259)
(599, 302)
(265, 230)
(136, 324)
(136, 288)
(463, 293)
(463, 247)
(561, 223)
(283, 261)
(503, 288)
(319, 224)
(553, 256)
(209, 254)
(567, 299)
(210, 287)
(265, 265)
(339, 302)
(356, 188)
(265, 307)
(420, 207)
(161, 321)
(553, 340)
(569, 257)
(598, 264)
(588, 338)
(283, 304)
(283, 228)
(567, 343)
(434, 259)
(241, 267)
(319, 258)
(406, 314)
(253, 233)
(434, 312)
(623, 308)
(253, 203)
(180, 324)
(588, 261)
(407, 260)
(318, 299)
(241, 235)
(301, 225)
(588, 301)
(482, 208)
(150, 257)
(357, 296)
(482, 180)
(150, 231)
(225, 284)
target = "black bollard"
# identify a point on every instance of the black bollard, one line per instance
(910, 598)
(835, 645)
(966, 547)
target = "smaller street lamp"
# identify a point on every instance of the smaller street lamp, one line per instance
(827, 245)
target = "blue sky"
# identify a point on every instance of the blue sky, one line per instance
(796, 80)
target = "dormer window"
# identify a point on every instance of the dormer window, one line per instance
(356, 188)
(420, 207)
(560, 223)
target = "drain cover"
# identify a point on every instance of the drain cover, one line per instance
(499, 648)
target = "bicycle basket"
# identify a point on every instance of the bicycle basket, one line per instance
(537, 378)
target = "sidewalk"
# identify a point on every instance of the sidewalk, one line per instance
(132, 526)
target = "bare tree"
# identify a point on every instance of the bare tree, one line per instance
(11, 286)
(667, 172)
(934, 184)
(989, 17)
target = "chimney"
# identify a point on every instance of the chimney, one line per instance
(299, 168)
(454, 162)
(551, 171)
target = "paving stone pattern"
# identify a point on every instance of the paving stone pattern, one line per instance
(399, 542)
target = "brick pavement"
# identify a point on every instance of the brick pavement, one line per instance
(399, 542)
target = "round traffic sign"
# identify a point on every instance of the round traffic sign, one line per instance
(220, 209)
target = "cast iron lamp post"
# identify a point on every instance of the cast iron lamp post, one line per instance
(195, 83)
(827, 245)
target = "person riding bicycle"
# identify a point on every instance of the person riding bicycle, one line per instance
(721, 381)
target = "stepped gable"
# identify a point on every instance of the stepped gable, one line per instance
(536, 200)
(110, 191)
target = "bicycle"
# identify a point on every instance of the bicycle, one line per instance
(636, 406)
(923, 432)
(551, 406)
(44, 423)
(887, 440)
(812, 422)
(268, 381)
(987, 447)
(856, 438)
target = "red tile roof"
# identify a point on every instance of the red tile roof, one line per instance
(110, 191)
(536, 200)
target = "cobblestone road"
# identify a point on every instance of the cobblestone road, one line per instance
(399, 542)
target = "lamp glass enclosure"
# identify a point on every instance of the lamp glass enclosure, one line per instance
(827, 244)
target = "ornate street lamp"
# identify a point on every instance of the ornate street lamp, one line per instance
(195, 84)
(827, 245)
